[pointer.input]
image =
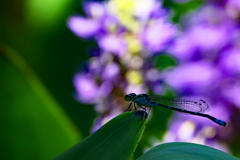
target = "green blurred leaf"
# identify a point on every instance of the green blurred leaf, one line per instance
(164, 61)
(180, 150)
(46, 14)
(33, 123)
(115, 140)
(50, 49)
(180, 9)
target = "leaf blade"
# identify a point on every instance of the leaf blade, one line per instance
(115, 140)
(180, 150)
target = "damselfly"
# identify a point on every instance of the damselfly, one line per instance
(190, 106)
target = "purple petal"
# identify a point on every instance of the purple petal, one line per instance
(208, 37)
(231, 91)
(95, 9)
(158, 34)
(182, 48)
(112, 44)
(83, 27)
(233, 8)
(144, 8)
(110, 71)
(86, 88)
(105, 89)
(196, 77)
(230, 61)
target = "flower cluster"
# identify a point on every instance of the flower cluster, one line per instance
(208, 51)
(128, 34)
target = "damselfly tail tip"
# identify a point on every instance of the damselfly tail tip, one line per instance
(220, 122)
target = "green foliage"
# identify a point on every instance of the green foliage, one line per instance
(164, 61)
(183, 151)
(115, 140)
(155, 128)
(182, 8)
(39, 116)
(33, 123)
(119, 137)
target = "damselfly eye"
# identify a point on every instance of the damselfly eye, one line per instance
(127, 98)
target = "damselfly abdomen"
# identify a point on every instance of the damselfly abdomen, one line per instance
(190, 106)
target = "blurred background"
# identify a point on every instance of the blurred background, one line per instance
(65, 67)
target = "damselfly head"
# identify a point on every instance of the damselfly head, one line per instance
(129, 97)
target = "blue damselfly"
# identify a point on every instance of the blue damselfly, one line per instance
(190, 106)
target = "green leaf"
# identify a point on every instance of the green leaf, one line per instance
(52, 13)
(164, 61)
(115, 140)
(180, 150)
(33, 124)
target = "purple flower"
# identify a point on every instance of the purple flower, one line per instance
(123, 40)
(182, 49)
(230, 90)
(208, 52)
(230, 61)
(111, 71)
(158, 34)
(113, 44)
(233, 8)
(86, 88)
(127, 33)
(208, 37)
(201, 40)
(194, 78)
(88, 91)
(95, 10)
(83, 27)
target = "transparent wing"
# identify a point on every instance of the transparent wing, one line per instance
(194, 105)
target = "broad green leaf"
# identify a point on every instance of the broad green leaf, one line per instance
(156, 127)
(185, 151)
(115, 140)
(33, 124)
